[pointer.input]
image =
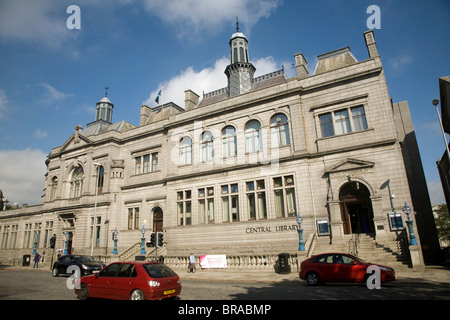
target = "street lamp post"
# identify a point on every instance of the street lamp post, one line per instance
(36, 238)
(412, 237)
(143, 240)
(97, 166)
(301, 245)
(115, 241)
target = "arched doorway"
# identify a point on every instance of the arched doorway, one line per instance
(157, 220)
(356, 208)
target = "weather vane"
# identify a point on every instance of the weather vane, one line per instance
(106, 92)
(237, 24)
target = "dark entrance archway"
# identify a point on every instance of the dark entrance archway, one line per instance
(356, 208)
(157, 220)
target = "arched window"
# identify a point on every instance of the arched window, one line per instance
(185, 151)
(76, 182)
(206, 147)
(253, 140)
(279, 128)
(53, 189)
(229, 147)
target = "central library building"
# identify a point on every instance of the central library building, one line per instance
(230, 171)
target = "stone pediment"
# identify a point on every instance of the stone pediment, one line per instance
(350, 165)
(76, 140)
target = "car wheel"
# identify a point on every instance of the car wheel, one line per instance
(312, 278)
(137, 295)
(55, 272)
(83, 292)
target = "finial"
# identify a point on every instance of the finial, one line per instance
(106, 92)
(237, 24)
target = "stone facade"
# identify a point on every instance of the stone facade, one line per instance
(229, 174)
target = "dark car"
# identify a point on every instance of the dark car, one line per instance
(340, 267)
(135, 280)
(87, 264)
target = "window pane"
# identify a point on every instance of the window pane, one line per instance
(250, 186)
(290, 201)
(235, 208)
(279, 204)
(251, 207)
(201, 211)
(225, 209)
(359, 118)
(188, 213)
(326, 125)
(262, 205)
(342, 122)
(180, 213)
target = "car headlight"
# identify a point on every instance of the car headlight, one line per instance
(386, 269)
(152, 283)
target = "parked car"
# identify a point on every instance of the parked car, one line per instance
(339, 267)
(135, 280)
(87, 264)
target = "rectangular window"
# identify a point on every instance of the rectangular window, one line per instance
(256, 200)
(48, 233)
(184, 207)
(230, 203)
(206, 205)
(146, 163)
(27, 235)
(284, 191)
(133, 218)
(339, 122)
(96, 226)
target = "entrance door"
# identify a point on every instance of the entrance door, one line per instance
(356, 208)
(157, 220)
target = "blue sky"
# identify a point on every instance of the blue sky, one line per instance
(51, 77)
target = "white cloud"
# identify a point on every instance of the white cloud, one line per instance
(52, 95)
(401, 60)
(196, 16)
(40, 134)
(205, 80)
(3, 105)
(436, 192)
(22, 175)
(41, 22)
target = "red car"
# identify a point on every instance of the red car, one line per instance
(135, 280)
(339, 267)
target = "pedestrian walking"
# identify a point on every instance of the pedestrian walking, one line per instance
(191, 267)
(36, 259)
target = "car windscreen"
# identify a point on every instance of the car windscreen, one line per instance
(159, 270)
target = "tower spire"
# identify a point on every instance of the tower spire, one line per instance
(237, 24)
(106, 90)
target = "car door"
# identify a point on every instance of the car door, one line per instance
(102, 284)
(348, 269)
(124, 282)
(66, 261)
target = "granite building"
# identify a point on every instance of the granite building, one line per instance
(230, 171)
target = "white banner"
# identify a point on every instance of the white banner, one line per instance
(213, 262)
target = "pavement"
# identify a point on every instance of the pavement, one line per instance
(436, 274)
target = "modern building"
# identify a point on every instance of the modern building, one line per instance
(230, 172)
